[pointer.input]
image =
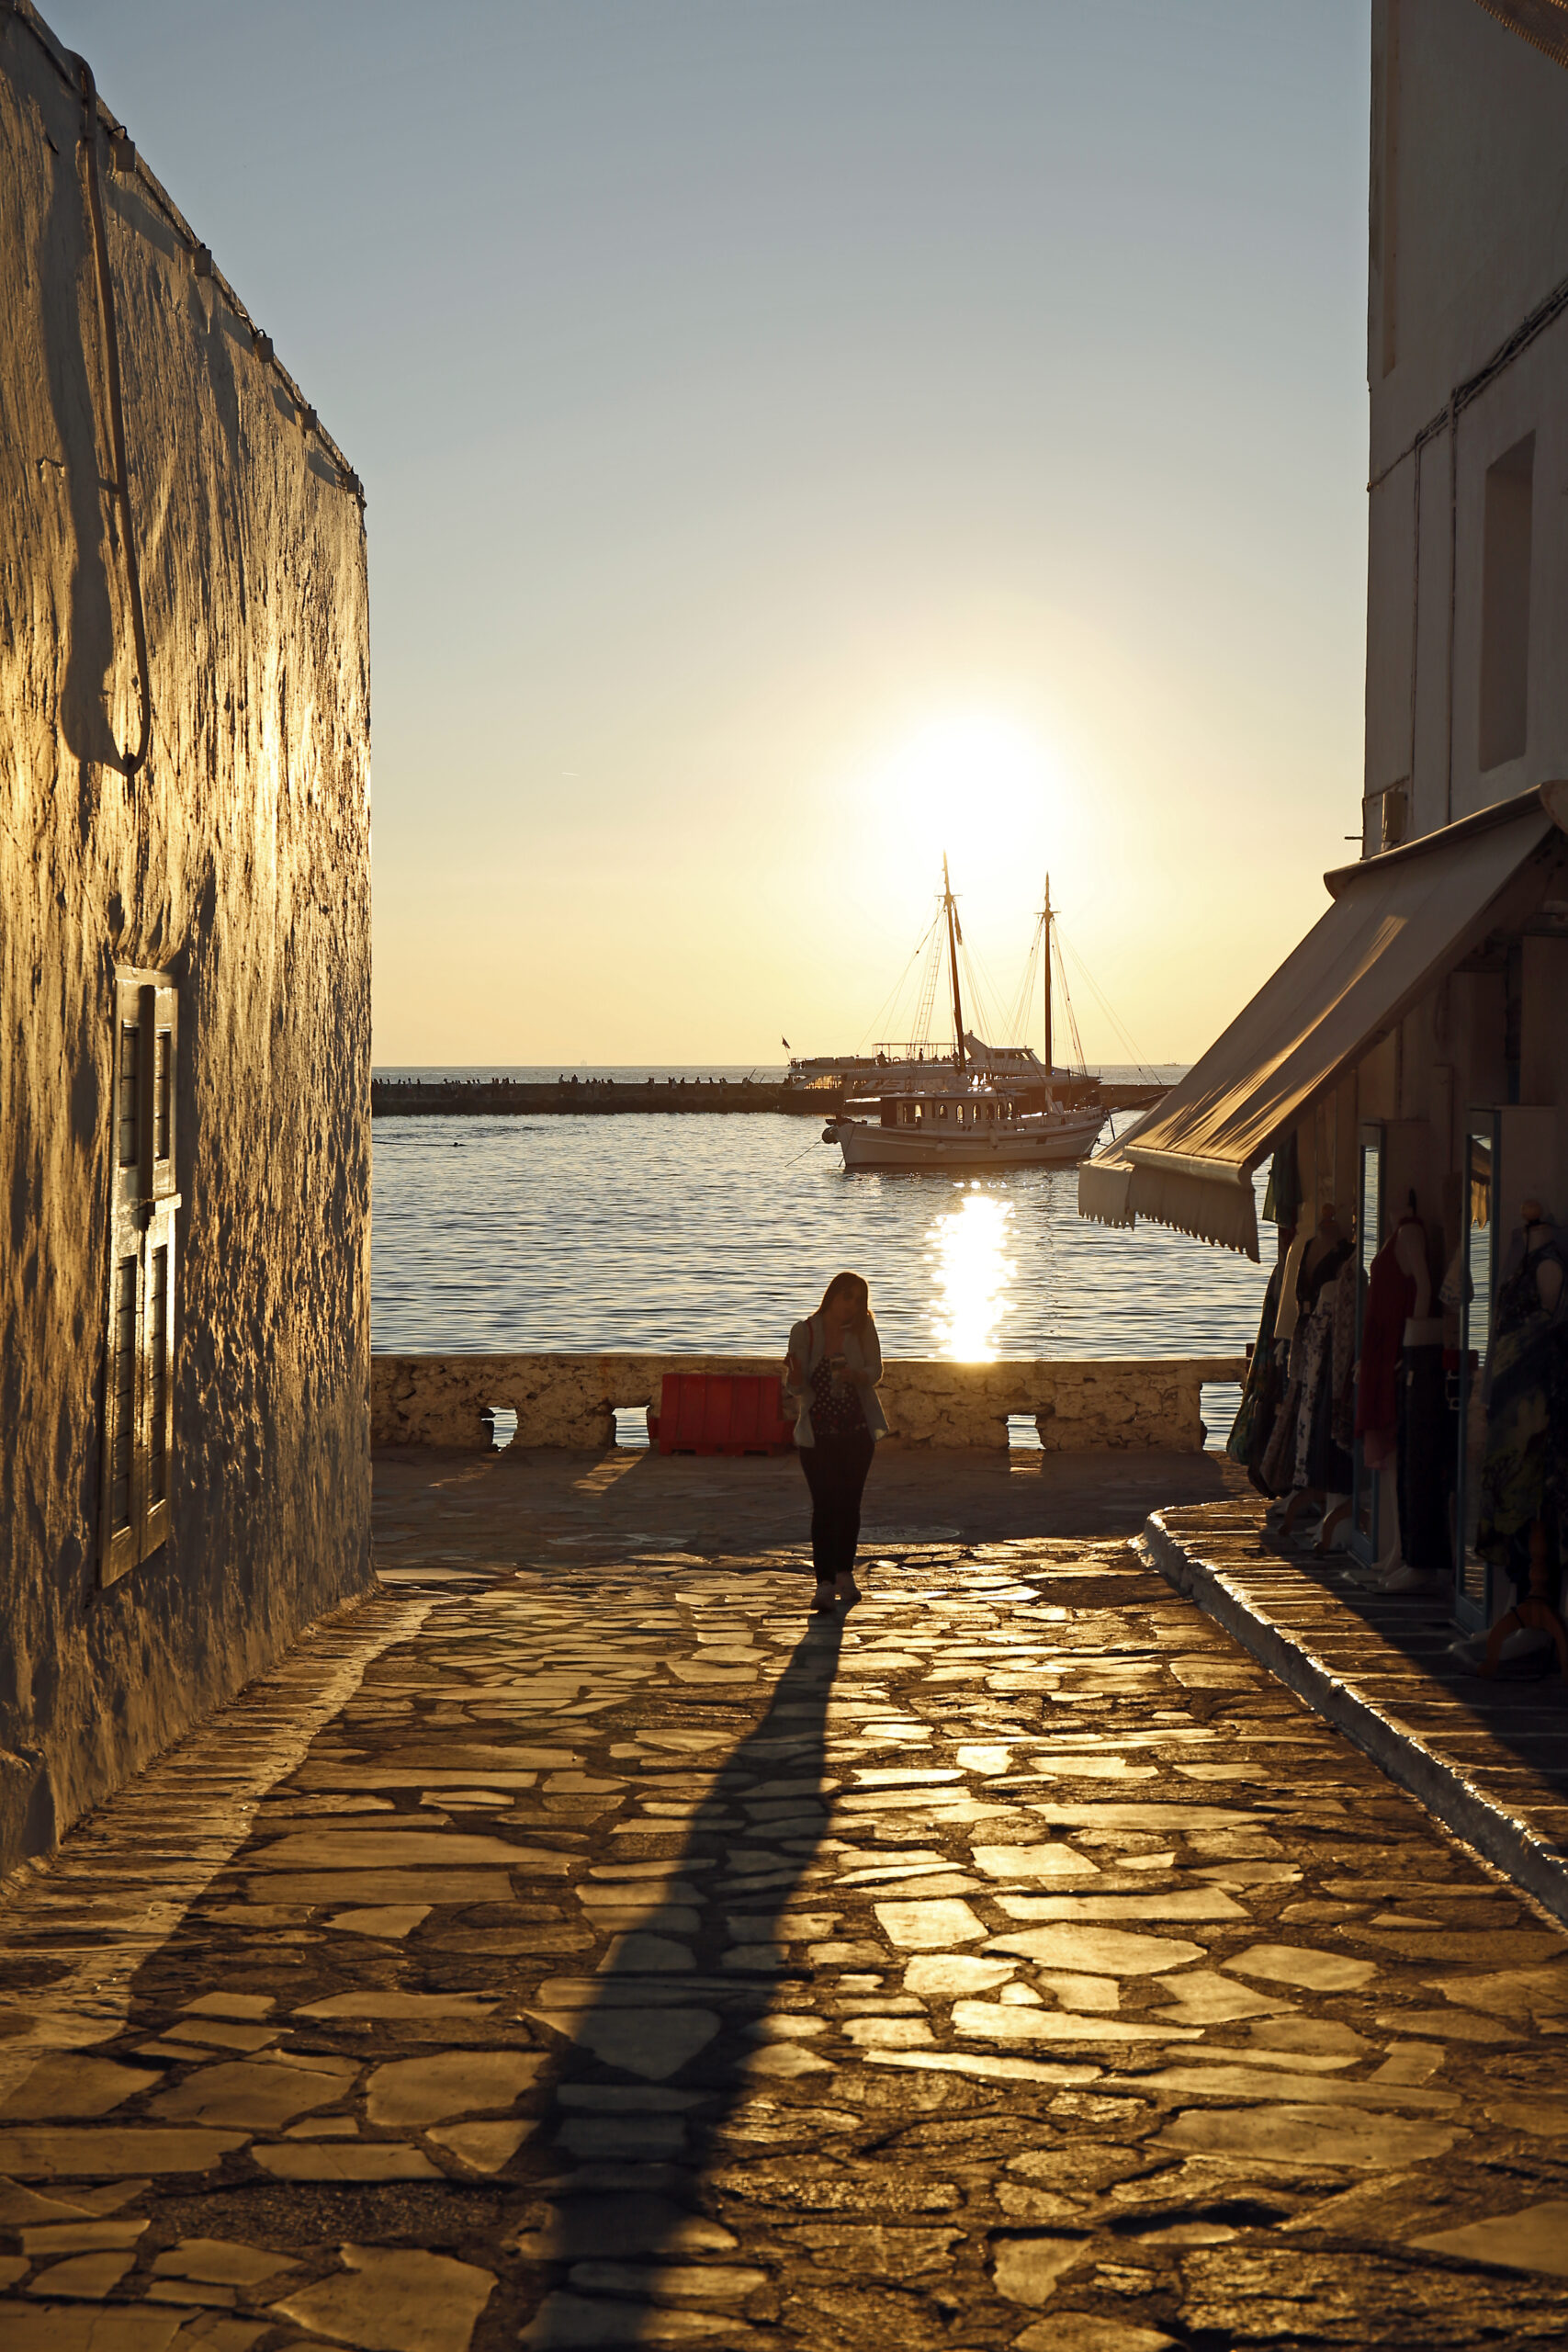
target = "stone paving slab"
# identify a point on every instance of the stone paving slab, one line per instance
(1489, 1759)
(1009, 1961)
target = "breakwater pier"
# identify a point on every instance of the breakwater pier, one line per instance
(473, 1097)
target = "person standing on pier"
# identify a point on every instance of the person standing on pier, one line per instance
(834, 1365)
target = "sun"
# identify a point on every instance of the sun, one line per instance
(976, 785)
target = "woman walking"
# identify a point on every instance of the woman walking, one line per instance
(835, 1364)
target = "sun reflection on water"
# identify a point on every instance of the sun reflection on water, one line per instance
(973, 1275)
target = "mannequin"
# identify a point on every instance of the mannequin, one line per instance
(1534, 1611)
(1539, 1230)
(1424, 1450)
(1393, 1292)
(1524, 1478)
(1285, 1322)
(1402, 1412)
(1410, 1249)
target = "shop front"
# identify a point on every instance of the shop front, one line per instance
(1403, 1079)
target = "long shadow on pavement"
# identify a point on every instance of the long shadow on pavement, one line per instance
(657, 2066)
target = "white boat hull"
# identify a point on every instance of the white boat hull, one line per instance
(1047, 1139)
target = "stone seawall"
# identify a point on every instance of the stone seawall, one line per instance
(468, 1098)
(513, 1098)
(571, 1400)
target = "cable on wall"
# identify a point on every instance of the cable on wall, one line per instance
(125, 159)
(132, 761)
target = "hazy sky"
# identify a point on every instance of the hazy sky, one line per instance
(802, 436)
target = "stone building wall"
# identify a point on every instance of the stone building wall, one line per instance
(236, 863)
(571, 1400)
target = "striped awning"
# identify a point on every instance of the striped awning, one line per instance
(1544, 23)
(1398, 922)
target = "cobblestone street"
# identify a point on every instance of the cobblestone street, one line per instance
(611, 1953)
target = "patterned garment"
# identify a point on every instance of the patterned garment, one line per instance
(1344, 1424)
(1312, 1349)
(1280, 1454)
(1317, 1365)
(1267, 1399)
(1329, 1469)
(1524, 1473)
(834, 1413)
(1258, 1388)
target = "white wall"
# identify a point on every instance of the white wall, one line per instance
(1469, 222)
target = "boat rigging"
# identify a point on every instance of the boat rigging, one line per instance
(982, 1106)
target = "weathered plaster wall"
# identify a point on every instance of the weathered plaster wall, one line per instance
(572, 1400)
(1469, 236)
(239, 859)
(1469, 202)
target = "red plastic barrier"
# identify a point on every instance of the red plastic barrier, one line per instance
(720, 1412)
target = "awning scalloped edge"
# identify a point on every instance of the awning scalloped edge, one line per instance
(1102, 1188)
(1114, 1190)
(1397, 923)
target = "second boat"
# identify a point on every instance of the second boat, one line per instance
(968, 1115)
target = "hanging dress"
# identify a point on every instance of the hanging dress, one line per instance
(1315, 1464)
(1523, 1474)
(1259, 1397)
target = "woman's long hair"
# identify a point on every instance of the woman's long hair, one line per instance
(854, 1284)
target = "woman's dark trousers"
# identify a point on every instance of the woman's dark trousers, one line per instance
(835, 1471)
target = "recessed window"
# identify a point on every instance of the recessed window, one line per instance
(128, 1090)
(138, 1432)
(1505, 605)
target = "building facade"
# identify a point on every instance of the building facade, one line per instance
(1412, 1053)
(184, 972)
(1467, 585)
(1467, 366)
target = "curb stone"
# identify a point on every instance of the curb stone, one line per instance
(1500, 1836)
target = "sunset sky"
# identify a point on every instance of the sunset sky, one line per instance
(800, 437)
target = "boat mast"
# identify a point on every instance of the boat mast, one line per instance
(1045, 921)
(952, 959)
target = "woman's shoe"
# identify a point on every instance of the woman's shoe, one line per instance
(827, 1600)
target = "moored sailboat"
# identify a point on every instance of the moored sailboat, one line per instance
(980, 1107)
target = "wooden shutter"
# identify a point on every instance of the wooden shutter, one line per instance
(139, 1432)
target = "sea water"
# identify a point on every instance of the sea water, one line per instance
(685, 1232)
